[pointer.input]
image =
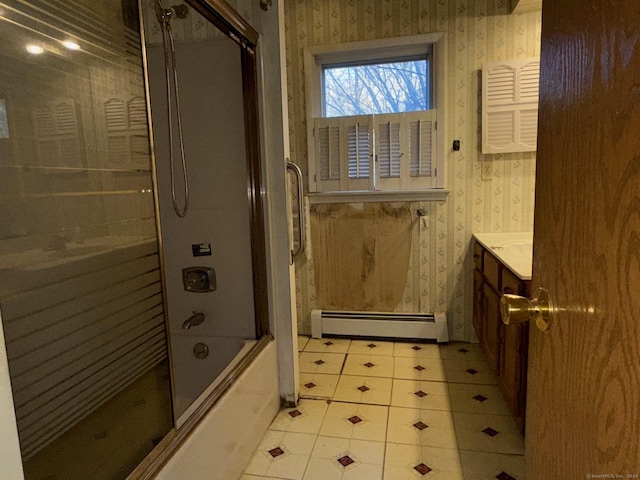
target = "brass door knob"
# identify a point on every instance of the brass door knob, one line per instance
(515, 309)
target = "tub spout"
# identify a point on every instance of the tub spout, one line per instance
(193, 321)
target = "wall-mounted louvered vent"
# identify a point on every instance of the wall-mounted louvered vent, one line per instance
(510, 106)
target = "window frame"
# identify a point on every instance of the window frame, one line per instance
(357, 53)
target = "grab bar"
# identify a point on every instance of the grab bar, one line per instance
(295, 253)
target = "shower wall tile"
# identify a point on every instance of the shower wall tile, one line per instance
(478, 31)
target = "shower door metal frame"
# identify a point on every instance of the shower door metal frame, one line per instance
(225, 18)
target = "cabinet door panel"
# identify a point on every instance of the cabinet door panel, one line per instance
(478, 303)
(511, 374)
(491, 331)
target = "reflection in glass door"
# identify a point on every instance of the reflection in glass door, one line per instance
(80, 283)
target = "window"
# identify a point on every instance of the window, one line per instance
(372, 115)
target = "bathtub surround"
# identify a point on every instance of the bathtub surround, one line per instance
(478, 31)
(222, 444)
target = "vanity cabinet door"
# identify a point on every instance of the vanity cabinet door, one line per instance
(491, 330)
(478, 304)
(512, 379)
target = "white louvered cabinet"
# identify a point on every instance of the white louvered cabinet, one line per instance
(510, 105)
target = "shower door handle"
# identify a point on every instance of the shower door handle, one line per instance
(295, 253)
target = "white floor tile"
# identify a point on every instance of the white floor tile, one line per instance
(307, 417)
(282, 454)
(371, 347)
(327, 345)
(484, 466)
(302, 342)
(318, 385)
(471, 398)
(461, 351)
(353, 420)
(388, 419)
(488, 433)
(420, 394)
(471, 371)
(370, 390)
(415, 350)
(321, 362)
(403, 462)
(369, 365)
(432, 428)
(345, 459)
(419, 368)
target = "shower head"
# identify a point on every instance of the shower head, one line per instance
(164, 15)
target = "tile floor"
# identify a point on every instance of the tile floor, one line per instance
(373, 410)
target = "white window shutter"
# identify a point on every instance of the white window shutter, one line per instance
(328, 150)
(388, 153)
(358, 131)
(421, 149)
(510, 106)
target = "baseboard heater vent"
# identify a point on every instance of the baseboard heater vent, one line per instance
(428, 326)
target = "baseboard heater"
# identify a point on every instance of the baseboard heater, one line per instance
(427, 326)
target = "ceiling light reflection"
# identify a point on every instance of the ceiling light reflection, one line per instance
(71, 45)
(34, 49)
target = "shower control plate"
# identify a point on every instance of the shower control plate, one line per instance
(199, 279)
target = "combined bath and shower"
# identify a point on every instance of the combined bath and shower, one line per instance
(164, 16)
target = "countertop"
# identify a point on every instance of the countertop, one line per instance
(514, 250)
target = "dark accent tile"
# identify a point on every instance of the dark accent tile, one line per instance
(369, 364)
(480, 398)
(319, 362)
(463, 350)
(420, 394)
(471, 371)
(363, 388)
(329, 343)
(276, 452)
(420, 426)
(295, 413)
(346, 461)
(355, 419)
(490, 431)
(504, 476)
(310, 385)
(422, 469)
(416, 348)
(418, 368)
(372, 345)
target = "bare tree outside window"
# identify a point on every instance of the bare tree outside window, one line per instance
(4, 123)
(391, 87)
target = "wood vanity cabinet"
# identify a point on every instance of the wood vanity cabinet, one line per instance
(504, 346)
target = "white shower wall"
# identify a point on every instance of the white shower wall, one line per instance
(210, 82)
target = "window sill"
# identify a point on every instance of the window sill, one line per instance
(431, 195)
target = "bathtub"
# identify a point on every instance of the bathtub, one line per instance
(195, 378)
(515, 250)
(224, 439)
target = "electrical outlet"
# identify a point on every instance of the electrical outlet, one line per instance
(487, 170)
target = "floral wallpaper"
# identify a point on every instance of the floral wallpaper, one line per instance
(478, 31)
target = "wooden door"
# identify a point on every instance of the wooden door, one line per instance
(583, 410)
